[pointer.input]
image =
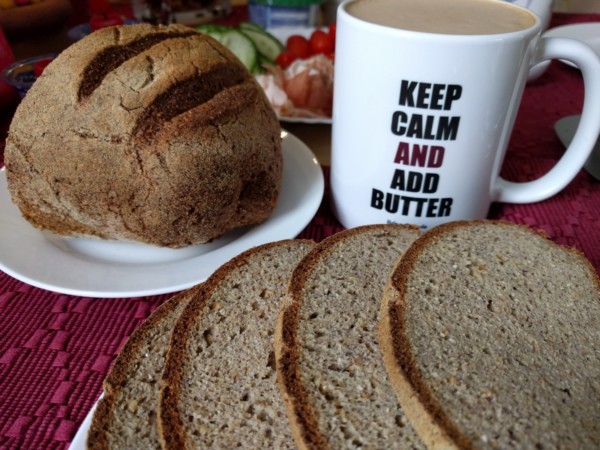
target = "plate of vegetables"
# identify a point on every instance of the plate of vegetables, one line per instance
(293, 65)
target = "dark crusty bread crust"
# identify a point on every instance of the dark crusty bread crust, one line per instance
(147, 133)
(219, 388)
(330, 374)
(489, 333)
(125, 416)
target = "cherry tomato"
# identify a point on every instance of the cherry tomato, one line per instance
(320, 42)
(298, 45)
(331, 32)
(285, 58)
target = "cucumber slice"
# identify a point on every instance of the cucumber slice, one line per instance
(241, 46)
(212, 29)
(262, 62)
(267, 44)
(253, 45)
(250, 26)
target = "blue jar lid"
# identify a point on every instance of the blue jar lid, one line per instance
(287, 3)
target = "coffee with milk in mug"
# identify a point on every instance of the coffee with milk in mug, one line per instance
(443, 16)
(426, 93)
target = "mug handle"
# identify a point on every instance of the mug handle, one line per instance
(585, 137)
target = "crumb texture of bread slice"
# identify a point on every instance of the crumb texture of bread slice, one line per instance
(330, 370)
(496, 329)
(219, 387)
(126, 415)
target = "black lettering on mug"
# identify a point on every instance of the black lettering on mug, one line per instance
(445, 207)
(416, 201)
(439, 128)
(438, 207)
(410, 206)
(437, 96)
(407, 89)
(415, 181)
(427, 95)
(380, 200)
(454, 93)
(423, 95)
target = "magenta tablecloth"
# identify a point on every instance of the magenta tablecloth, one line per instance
(56, 349)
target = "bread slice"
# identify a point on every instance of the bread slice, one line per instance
(490, 334)
(125, 416)
(329, 365)
(219, 387)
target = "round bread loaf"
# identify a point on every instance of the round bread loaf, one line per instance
(147, 133)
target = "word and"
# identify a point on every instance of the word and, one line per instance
(419, 155)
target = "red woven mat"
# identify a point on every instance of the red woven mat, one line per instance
(56, 349)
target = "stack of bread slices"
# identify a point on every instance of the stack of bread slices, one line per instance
(478, 334)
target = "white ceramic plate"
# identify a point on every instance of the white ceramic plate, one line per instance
(312, 120)
(565, 129)
(588, 33)
(99, 268)
(78, 442)
(282, 33)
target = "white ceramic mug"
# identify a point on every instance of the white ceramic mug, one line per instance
(422, 119)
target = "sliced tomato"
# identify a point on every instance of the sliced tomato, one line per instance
(298, 45)
(321, 42)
